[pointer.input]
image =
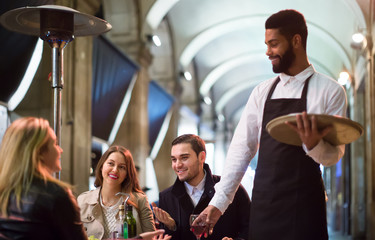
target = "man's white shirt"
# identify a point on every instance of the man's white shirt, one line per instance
(196, 192)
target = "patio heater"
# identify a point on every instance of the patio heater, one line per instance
(56, 25)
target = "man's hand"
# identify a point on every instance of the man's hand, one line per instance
(308, 130)
(212, 216)
(164, 217)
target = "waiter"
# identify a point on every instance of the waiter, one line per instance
(288, 199)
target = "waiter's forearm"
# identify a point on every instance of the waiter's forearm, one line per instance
(326, 154)
(225, 190)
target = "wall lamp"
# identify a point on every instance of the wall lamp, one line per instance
(344, 78)
(359, 41)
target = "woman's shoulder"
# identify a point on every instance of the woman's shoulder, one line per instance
(138, 194)
(48, 195)
(46, 187)
(89, 197)
(139, 198)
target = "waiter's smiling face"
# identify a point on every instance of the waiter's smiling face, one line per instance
(279, 51)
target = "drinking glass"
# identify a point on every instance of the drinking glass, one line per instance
(198, 228)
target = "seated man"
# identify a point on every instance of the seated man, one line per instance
(193, 190)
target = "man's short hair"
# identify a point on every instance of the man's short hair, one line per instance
(289, 22)
(197, 143)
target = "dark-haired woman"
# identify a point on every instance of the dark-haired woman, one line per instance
(115, 173)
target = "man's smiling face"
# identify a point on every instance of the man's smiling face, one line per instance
(279, 51)
(186, 164)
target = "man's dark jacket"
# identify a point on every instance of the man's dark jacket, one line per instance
(177, 202)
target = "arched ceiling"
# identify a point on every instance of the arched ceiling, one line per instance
(222, 41)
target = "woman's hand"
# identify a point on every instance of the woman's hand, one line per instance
(155, 235)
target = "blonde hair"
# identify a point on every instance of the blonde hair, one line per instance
(20, 160)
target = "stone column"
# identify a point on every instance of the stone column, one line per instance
(133, 132)
(370, 126)
(162, 163)
(370, 150)
(358, 172)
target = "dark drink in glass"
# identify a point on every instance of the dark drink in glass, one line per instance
(197, 227)
(198, 230)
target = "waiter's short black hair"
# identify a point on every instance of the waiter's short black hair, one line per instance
(197, 144)
(289, 22)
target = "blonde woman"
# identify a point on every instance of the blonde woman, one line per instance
(115, 173)
(33, 204)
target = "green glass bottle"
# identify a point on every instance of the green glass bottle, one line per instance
(132, 225)
(122, 225)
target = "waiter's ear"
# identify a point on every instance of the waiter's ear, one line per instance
(297, 41)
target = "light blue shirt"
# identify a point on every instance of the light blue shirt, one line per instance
(195, 192)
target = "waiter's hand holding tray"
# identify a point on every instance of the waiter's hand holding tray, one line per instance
(343, 130)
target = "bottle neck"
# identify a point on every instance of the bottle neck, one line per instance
(121, 214)
(129, 211)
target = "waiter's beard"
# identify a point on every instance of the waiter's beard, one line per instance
(286, 61)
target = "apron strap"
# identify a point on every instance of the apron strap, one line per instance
(304, 91)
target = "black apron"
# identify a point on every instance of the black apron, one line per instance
(288, 200)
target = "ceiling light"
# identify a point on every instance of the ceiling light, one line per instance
(221, 117)
(154, 39)
(207, 100)
(187, 75)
